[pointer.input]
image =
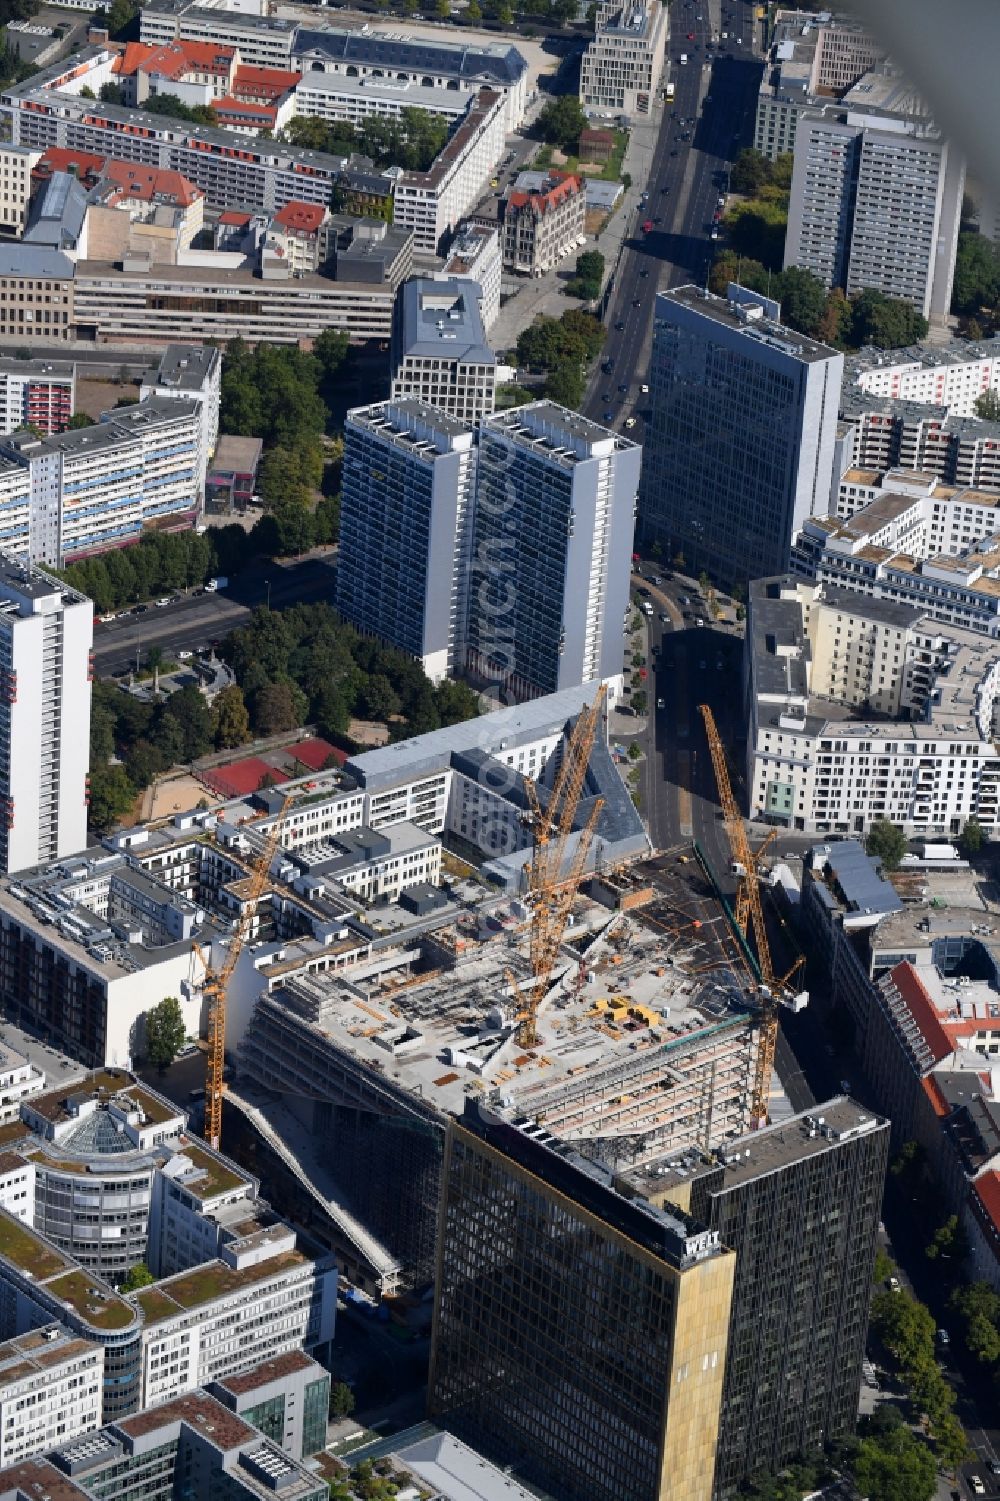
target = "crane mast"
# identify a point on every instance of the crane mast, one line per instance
(553, 879)
(749, 916)
(216, 983)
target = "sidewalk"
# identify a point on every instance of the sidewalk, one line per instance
(544, 295)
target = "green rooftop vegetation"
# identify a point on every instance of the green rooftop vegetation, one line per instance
(156, 1306)
(103, 1312)
(217, 1178)
(212, 1280)
(26, 1251)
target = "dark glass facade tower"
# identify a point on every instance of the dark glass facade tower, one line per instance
(579, 1335)
(799, 1203)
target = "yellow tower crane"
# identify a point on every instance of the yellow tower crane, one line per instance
(749, 914)
(216, 982)
(553, 880)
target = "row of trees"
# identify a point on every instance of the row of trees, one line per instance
(326, 672)
(412, 141)
(756, 226)
(868, 317)
(279, 394)
(906, 1329)
(562, 349)
(886, 1462)
(976, 291)
(133, 741)
(302, 666)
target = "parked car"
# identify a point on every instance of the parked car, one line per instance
(894, 1286)
(160, 603)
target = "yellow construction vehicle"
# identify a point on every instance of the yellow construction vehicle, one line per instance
(749, 914)
(216, 982)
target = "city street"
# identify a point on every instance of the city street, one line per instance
(195, 622)
(718, 101)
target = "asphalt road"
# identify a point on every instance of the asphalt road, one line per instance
(679, 248)
(196, 621)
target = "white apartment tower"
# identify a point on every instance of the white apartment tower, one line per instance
(50, 1391)
(876, 202)
(46, 633)
(551, 551)
(408, 488)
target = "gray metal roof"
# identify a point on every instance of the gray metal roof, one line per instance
(57, 213)
(857, 874)
(433, 330)
(501, 730)
(34, 261)
(498, 64)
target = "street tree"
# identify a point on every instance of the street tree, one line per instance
(897, 1467)
(886, 842)
(230, 720)
(165, 1032)
(561, 121)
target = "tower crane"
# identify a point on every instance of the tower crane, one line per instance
(552, 882)
(216, 983)
(749, 913)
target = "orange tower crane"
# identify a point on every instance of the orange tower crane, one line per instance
(216, 982)
(554, 878)
(749, 913)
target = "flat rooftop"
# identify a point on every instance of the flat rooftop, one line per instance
(760, 1153)
(441, 320)
(554, 432)
(733, 317)
(213, 1280)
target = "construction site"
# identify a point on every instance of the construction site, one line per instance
(645, 1043)
(625, 1010)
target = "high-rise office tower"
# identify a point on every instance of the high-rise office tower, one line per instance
(799, 1203)
(578, 1335)
(739, 447)
(876, 201)
(46, 634)
(409, 476)
(551, 551)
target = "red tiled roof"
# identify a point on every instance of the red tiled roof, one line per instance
(566, 185)
(82, 164)
(933, 1092)
(243, 109)
(151, 182)
(234, 216)
(174, 59)
(241, 777)
(304, 218)
(263, 83)
(923, 1010)
(988, 1192)
(315, 753)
